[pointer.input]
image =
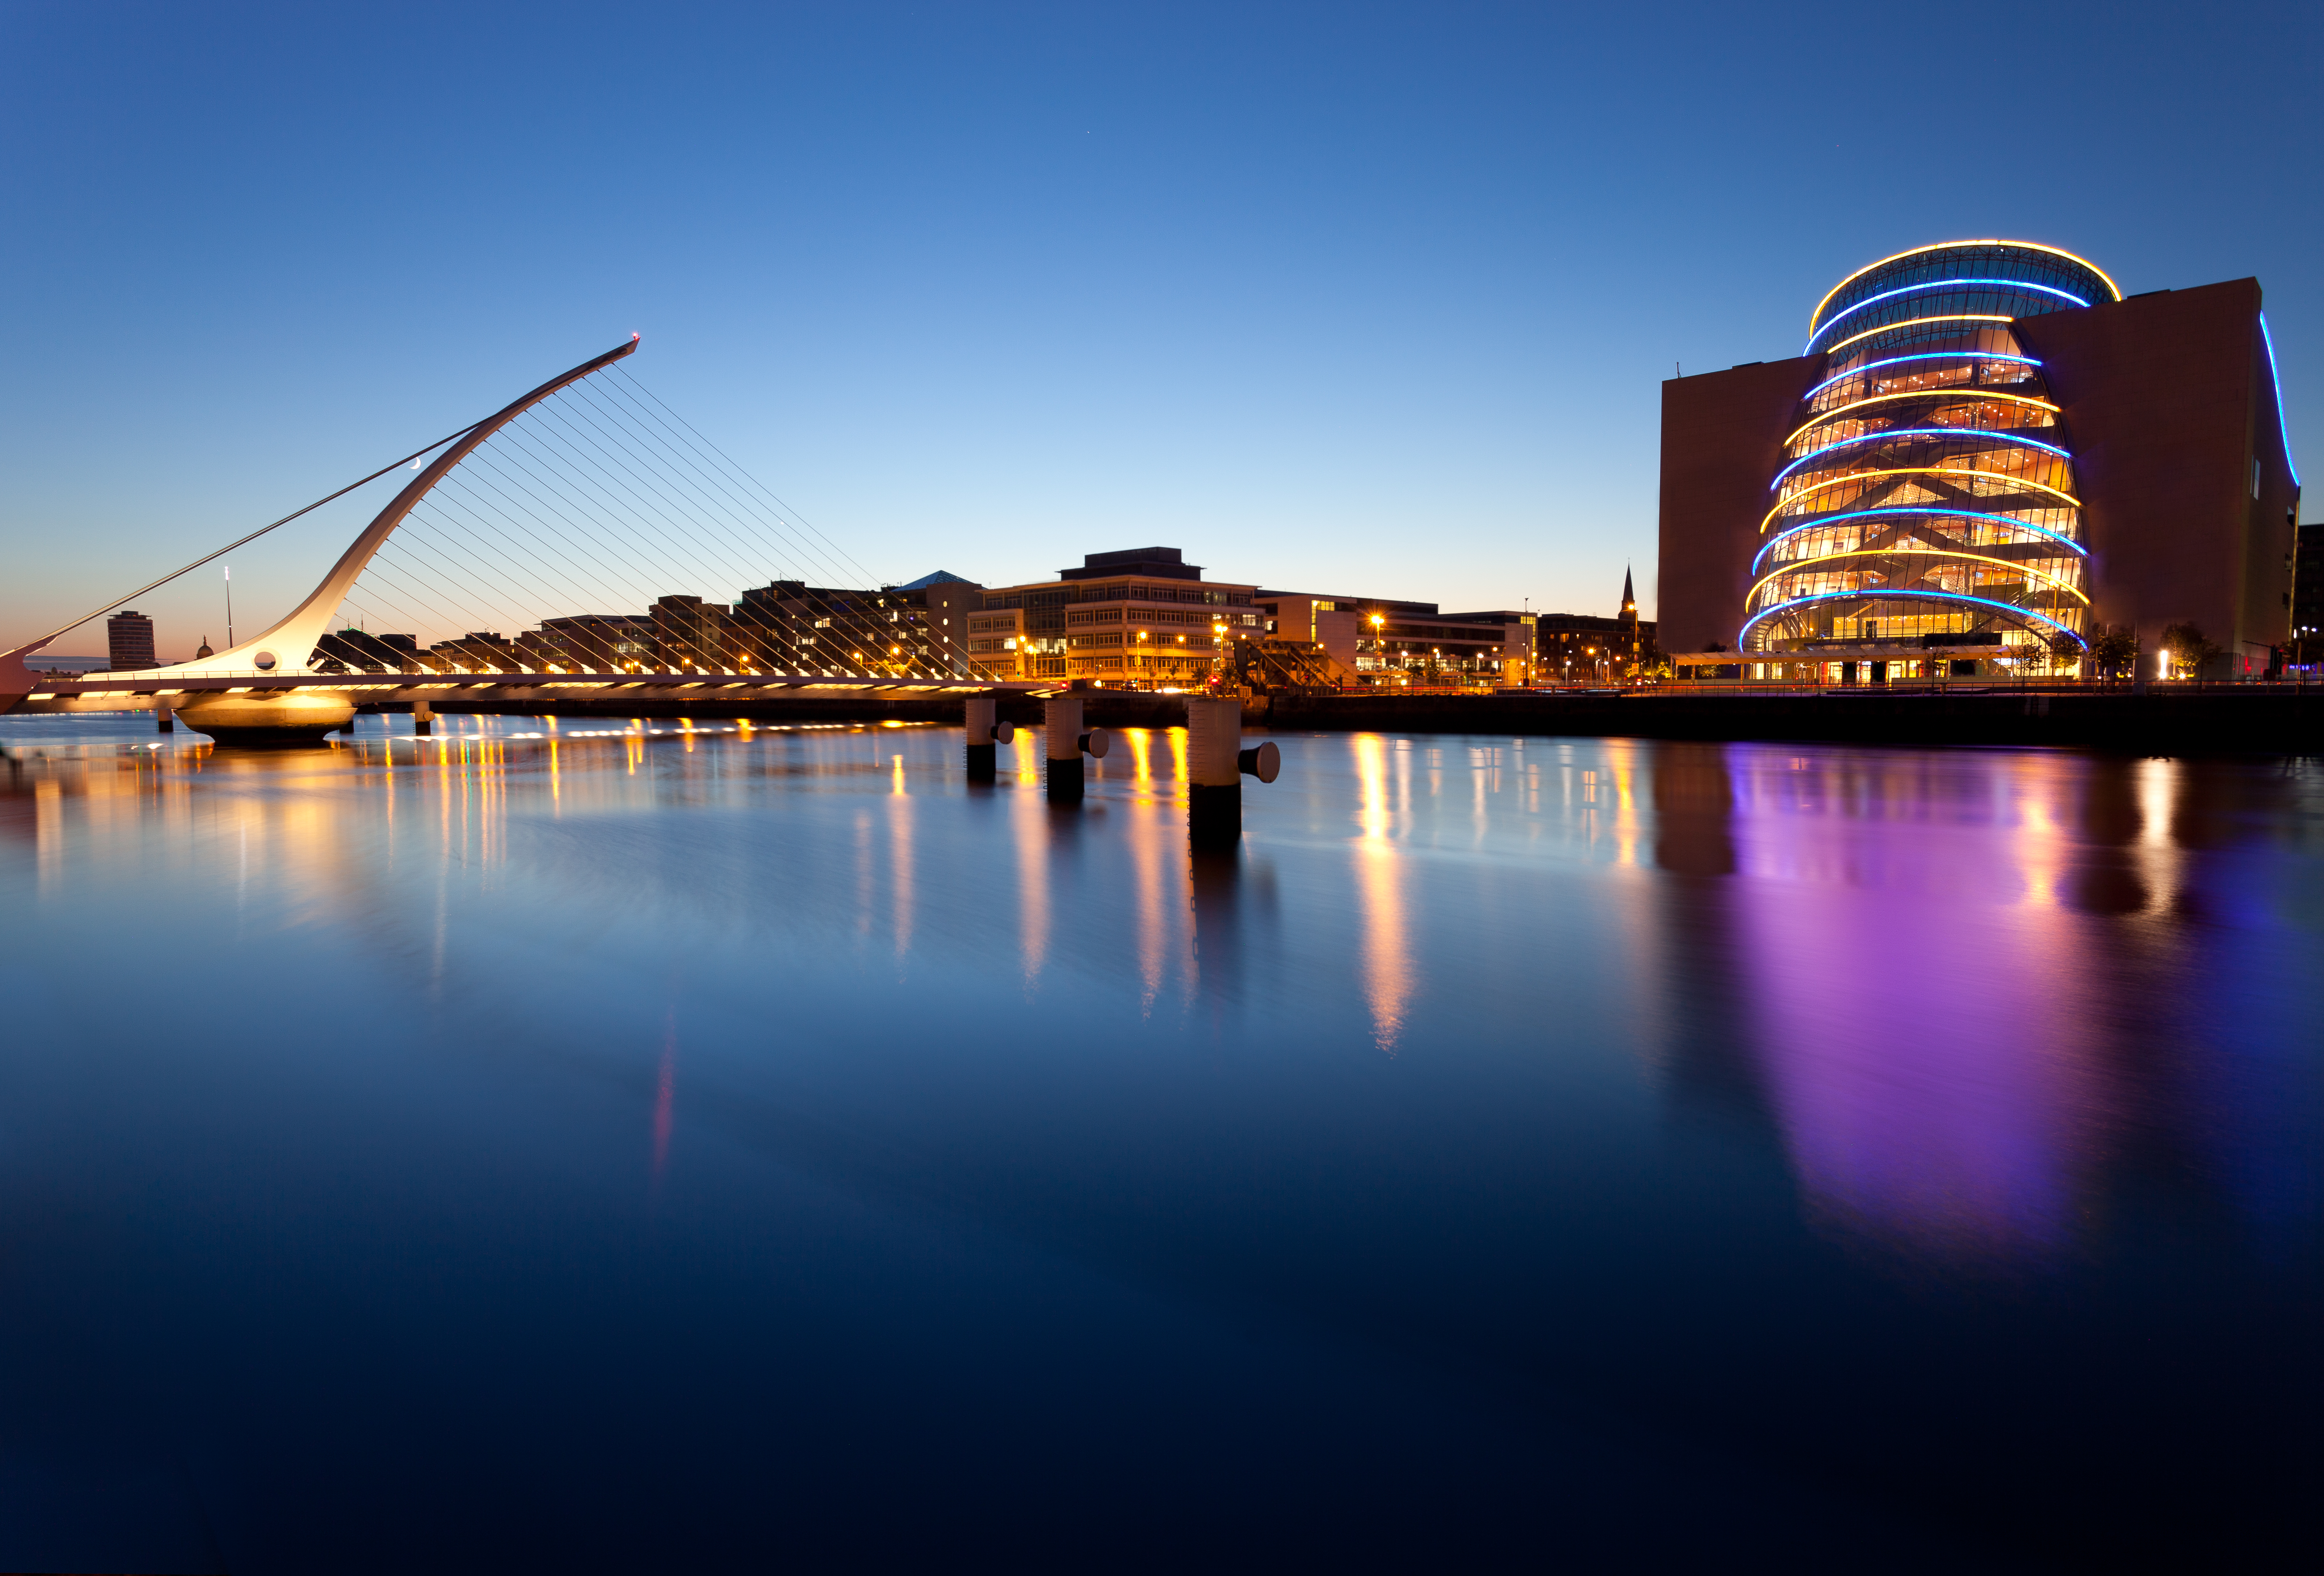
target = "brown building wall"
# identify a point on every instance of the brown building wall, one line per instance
(1722, 445)
(2166, 401)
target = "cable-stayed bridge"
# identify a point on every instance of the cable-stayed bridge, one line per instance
(584, 492)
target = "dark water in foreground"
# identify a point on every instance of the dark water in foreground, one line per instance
(744, 1148)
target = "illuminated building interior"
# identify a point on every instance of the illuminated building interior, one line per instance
(1926, 511)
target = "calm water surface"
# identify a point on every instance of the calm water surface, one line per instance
(577, 1147)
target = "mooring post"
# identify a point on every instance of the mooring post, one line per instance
(423, 718)
(1061, 726)
(1065, 743)
(1216, 764)
(985, 735)
(1214, 784)
(165, 718)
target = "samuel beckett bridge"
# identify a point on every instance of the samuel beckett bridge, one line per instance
(589, 490)
(580, 493)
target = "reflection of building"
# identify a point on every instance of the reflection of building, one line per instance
(1142, 618)
(129, 642)
(1383, 640)
(1985, 454)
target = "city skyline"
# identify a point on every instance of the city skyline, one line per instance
(1367, 289)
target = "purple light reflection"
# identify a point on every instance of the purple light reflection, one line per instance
(1912, 994)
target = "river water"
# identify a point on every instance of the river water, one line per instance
(674, 1146)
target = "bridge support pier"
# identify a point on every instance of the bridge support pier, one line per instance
(985, 735)
(165, 719)
(1216, 764)
(423, 718)
(262, 717)
(1065, 742)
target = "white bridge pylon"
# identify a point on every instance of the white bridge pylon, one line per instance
(287, 645)
(281, 661)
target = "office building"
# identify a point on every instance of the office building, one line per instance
(129, 642)
(1141, 619)
(1383, 640)
(914, 630)
(1984, 455)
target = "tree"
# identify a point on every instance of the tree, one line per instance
(2189, 649)
(2113, 651)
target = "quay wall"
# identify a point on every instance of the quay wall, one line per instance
(2232, 719)
(2237, 719)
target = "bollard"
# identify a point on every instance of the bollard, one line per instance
(1065, 740)
(984, 737)
(1214, 771)
(165, 719)
(423, 718)
(1216, 764)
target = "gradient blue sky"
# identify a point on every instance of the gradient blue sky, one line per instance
(1369, 299)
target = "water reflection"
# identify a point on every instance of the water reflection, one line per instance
(1925, 963)
(1737, 1070)
(1386, 967)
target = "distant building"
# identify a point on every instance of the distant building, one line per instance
(477, 652)
(2308, 596)
(907, 632)
(1578, 647)
(359, 651)
(1383, 640)
(691, 635)
(129, 642)
(1140, 619)
(589, 642)
(948, 599)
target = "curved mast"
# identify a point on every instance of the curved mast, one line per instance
(292, 639)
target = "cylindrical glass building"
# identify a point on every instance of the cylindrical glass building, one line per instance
(1926, 500)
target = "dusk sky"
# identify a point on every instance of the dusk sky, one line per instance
(1377, 300)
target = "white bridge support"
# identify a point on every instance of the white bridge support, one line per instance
(268, 689)
(232, 712)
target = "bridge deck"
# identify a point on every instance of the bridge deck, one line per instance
(117, 692)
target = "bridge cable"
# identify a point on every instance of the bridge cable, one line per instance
(866, 627)
(642, 486)
(804, 522)
(253, 537)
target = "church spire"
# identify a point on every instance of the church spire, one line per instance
(1630, 600)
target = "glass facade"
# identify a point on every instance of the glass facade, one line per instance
(1926, 496)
